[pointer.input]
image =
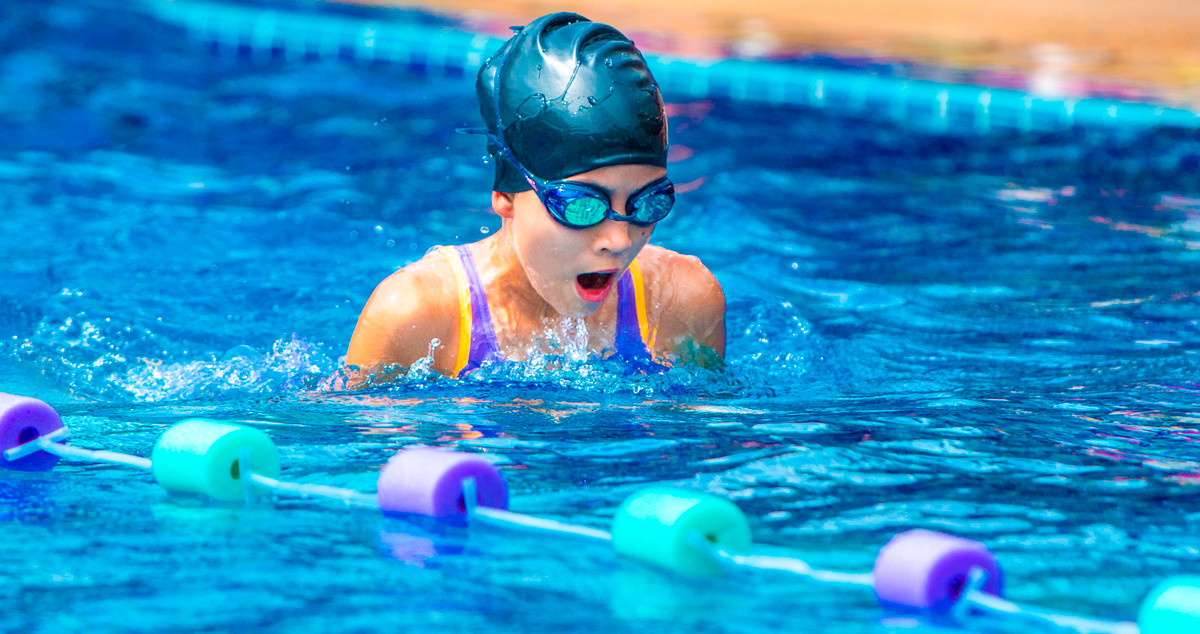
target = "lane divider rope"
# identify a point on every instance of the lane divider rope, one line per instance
(690, 533)
(437, 50)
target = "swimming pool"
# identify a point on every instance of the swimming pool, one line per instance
(994, 335)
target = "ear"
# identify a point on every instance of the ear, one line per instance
(502, 204)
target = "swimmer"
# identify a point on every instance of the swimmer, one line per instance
(578, 135)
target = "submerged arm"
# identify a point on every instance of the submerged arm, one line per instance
(704, 315)
(690, 310)
(411, 315)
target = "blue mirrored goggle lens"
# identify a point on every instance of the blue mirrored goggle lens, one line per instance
(579, 207)
(652, 206)
(582, 210)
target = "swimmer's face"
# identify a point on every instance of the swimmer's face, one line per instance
(575, 270)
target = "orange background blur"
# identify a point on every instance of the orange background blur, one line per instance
(1149, 44)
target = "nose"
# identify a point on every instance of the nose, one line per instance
(612, 237)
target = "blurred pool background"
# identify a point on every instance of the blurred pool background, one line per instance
(986, 330)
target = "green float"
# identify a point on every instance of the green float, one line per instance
(201, 456)
(662, 526)
(1173, 607)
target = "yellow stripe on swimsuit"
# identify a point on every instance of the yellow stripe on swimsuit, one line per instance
(634, 338)
(464, 309)
(639, 296)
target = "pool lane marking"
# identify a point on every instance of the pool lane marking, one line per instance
(972, 601)
(49, 444)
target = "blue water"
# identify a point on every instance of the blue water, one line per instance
(994, 336)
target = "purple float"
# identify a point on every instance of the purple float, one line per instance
(24, 419)
(428, 481)
(928, 570)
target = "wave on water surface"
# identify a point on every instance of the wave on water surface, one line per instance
(99, 358)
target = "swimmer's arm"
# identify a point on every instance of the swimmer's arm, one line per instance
(692, 311)
(703, 312)
(406, 313)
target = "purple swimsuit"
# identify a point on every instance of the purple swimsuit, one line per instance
(630, 347)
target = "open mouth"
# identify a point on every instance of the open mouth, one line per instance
(595, 281)
(594, 287)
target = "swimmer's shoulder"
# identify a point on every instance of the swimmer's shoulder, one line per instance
(673, 278)
(407, 311)
(685, 298)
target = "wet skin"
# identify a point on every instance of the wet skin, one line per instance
(530, 270)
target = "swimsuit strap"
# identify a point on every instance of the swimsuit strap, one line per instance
(633, 340)
(463, 284)
(476, 336)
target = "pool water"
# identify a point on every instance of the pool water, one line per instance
(995, 336)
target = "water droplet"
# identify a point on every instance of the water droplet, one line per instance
(378, 228)
(591, 101)
(484, 229)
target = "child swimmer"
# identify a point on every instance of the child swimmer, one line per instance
(578, 136)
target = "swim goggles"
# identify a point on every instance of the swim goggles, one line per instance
(582, 205)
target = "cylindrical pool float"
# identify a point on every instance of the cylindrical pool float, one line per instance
(23, 419)
(928, 570)
(1173, 607)
(660, 525)
(428, 481)
(202, 456)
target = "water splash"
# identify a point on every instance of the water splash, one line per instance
(98, 357)
(292, 365)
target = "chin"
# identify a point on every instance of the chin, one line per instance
(579, 311)
(567, 303)
(574, 307)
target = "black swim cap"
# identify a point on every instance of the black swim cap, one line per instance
(574, 95)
